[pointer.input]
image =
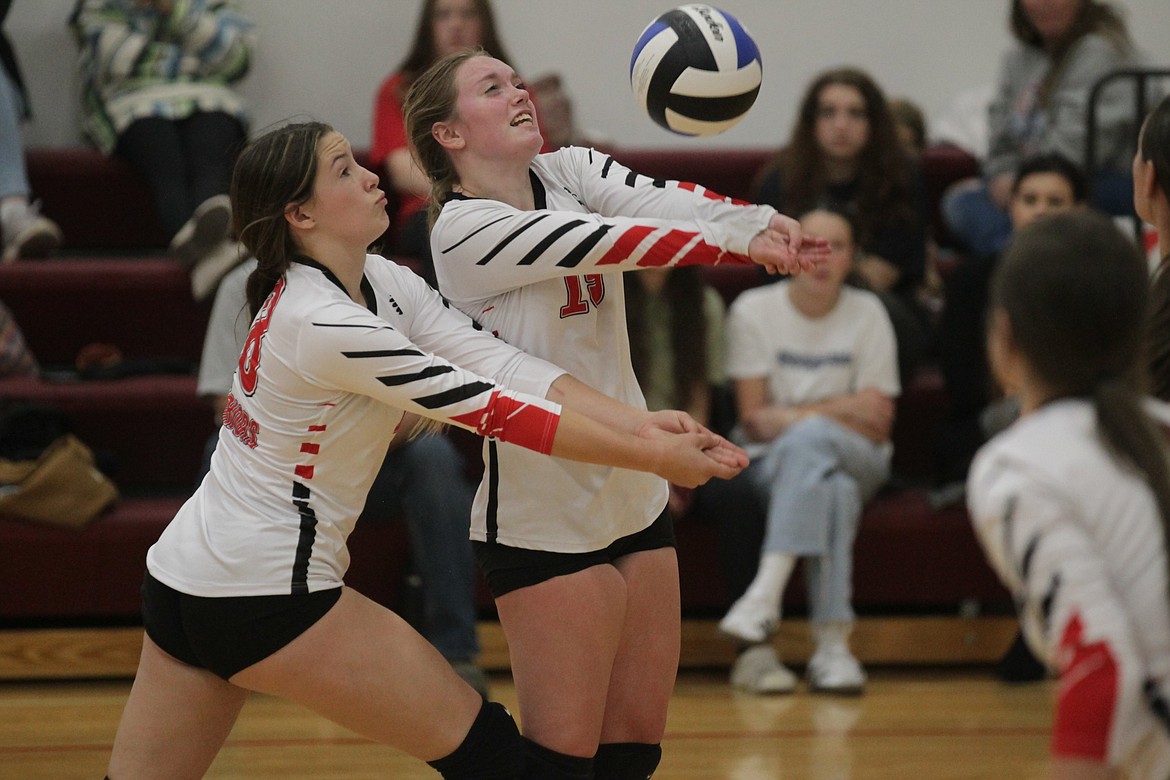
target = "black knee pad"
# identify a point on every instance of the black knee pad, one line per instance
(540, 763)
(492, 750)
(626, 761)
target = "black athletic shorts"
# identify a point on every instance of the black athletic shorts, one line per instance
(226, 635)
(511, 568)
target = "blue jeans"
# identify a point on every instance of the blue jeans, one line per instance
(13, 174)
(817, 476)
(424, 481)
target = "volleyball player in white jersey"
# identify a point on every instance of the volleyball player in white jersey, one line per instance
(584, 576)
(244, 588)
(1072, 501)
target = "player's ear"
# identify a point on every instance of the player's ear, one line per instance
(1147, 179)
(298, 216)
(447, 135)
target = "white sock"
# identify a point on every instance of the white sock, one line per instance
(768, 586)
(832, 636)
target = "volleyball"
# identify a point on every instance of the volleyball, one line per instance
(695, 70)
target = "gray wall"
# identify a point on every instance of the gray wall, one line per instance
(326, 58)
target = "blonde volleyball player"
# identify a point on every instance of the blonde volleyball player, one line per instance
(1072, 501)
(244, 588)
(583, 569)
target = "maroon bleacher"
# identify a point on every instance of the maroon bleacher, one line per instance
(115, 285)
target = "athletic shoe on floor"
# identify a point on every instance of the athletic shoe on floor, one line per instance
(205, 231)
(30, 235)
(758, 670)
(835, 670)
(750, 620)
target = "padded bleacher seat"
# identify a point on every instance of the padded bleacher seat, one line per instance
(142, 305)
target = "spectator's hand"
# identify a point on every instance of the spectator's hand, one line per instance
(999, 189)
(879, 274)
(783, 248)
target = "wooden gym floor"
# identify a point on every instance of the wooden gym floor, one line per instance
(939, 719)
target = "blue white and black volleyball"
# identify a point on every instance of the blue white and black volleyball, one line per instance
(696, 70)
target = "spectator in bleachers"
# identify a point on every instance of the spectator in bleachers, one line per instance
(1061, 50)
(910, 124)
(1151, 196)
(24, 231)
(844, 153)
(1044, 184)
(422, 479)
(558, 121)
(675, 322)
(444, 26)
(156, 90)
(814, 366)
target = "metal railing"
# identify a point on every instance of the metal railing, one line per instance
(1141, 78)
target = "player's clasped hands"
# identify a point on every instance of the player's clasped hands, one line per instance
(691, 454)
(782, 248)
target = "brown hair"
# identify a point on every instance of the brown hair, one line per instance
(683, 292)
(1093, 17)
(884, 191)
(1155, 144)
(272, 172)
(1074, 290)
(432, 99)
(423, 52)
(907, 113)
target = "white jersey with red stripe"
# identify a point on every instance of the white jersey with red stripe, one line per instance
(322, 384)
(546, 281)
(1077, 538)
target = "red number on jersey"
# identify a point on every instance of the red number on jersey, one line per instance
(250, 355)
(594, 286)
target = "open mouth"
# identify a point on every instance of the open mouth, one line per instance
(522, 119)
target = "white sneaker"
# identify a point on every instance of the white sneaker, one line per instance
(758, 670)
(30, 235)
(207, 228)
(212, 266)
(835, 670)
(750, 620)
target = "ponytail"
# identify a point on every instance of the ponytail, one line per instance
(1133, 436)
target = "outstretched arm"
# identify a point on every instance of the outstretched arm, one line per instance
(572, 393)
(687, 459)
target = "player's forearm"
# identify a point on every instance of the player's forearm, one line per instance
(572, 393)
(587, 440)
